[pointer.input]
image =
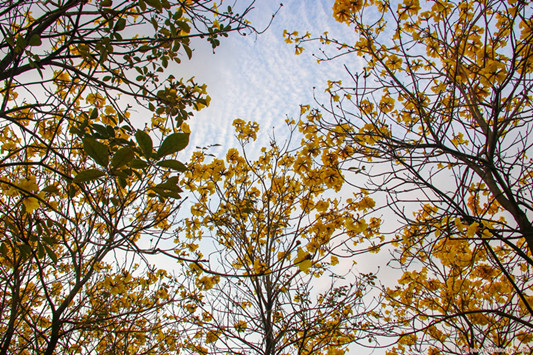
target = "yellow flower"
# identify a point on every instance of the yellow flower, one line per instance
(394, 62)
(366, 203)
(240, 326)
(386, 104)
(185, 128)
(334, 260)
(95, 99)
(344, 9)
(31, 204)
(322, 206)
(304, 109)
(356, 226)
(459, 224)
(208, 282)
(110, 110)
(472, 229)
(259, 267)
(29, 184)
(211, 337)
(409, 7)
(303, 260)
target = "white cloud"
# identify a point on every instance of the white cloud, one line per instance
(259, 77)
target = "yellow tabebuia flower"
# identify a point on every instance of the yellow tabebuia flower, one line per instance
(303, 260)
(240, 326)
(356, 226)
(208, 282)
(386, 104)
(334, 260)
(211, 337)
(344, 9)
(394, 62)
(472, 229)
(260, 267)
(31, 204)
(96, 99)
(29, 184)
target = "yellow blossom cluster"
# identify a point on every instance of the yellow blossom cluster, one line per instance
(343, 10)
(275, 217)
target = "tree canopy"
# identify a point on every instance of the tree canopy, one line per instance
(272, 226)
(439, 122)
(88, 192)
(423, 156)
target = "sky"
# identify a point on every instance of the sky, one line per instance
(259, 77)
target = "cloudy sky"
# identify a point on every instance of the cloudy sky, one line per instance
(258, 77)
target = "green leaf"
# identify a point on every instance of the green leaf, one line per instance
(103, 53)
(145, 142)
(94, 114)
(50, 253)
(40, 251)
(110, 130)
(122, 157)
(3, 249)
(142, 5)
(122, 181)
(96, 150)
(25, 250)
(169, 188)
(72, 189)
(20, 44)
(51, 189)
(155, 4)
(188, 50)
(154, 22)
(121, 24)
(48, 240)
(101, 131)
(166, 193)
(121, 174)
(184, 26)
(35, 40)
(173, 143)
(138, 164)
(76, 131)
(170, 184)
(9, 39)
(172, 164)
(33, 237)
(88, 175)
(39, 228)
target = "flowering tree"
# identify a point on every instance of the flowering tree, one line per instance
(439, 121)
(85, 196)
(275, 232)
